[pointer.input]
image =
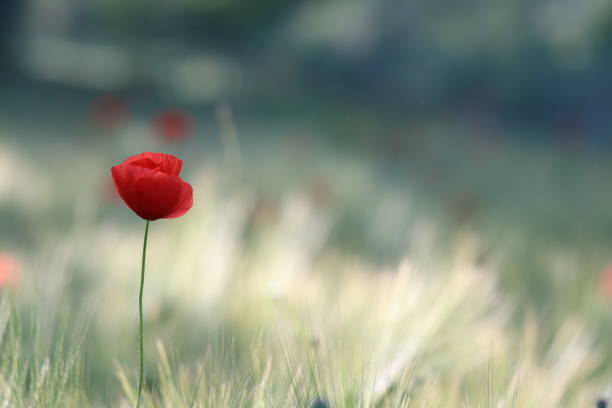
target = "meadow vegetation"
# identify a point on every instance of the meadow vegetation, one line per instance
(309, 278)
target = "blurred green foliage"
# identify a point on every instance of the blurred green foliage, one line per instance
(515, 62)
(195, 21)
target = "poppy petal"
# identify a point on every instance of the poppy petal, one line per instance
(157, 195)
(125, 178)
(165, 163)
(184, 202)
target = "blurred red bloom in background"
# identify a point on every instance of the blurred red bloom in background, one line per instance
(10, 268)
(150, 185)
(173, 125)
(605, 282)
(109, 111)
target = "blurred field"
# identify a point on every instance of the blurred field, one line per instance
(305, 273)
(397, 204)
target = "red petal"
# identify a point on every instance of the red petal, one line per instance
(166, 163)
(125, 178)
(152, 195)
(184, 203)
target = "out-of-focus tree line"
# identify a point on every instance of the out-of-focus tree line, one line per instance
(545, 62)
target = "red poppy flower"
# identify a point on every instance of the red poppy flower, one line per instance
(109, 111)
(173, 125)
(605, 282)
(150, 185)
(10, 268)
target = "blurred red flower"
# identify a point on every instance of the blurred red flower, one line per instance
(109, 111)
(605, 282)
(10, 269)
(173, 125)
(150, 185)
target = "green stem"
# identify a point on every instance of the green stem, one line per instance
(141, 335)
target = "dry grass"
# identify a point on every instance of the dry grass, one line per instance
(248, 304)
